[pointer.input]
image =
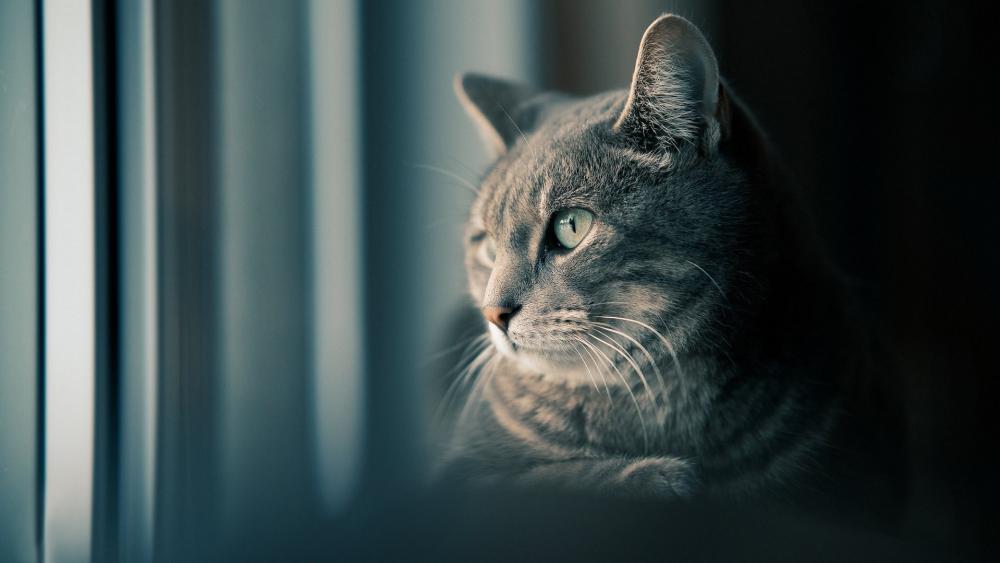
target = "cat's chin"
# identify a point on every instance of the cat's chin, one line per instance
(563, 365)
(555, 367)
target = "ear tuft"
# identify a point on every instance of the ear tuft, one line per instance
(494, 105)
(675, 89)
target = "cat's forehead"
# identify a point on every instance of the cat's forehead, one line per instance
(513, 194)
(541, 175)
(563, 161)
(523, 186)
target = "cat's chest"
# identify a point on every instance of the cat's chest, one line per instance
(541, 413)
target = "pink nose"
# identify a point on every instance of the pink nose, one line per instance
(500, 316)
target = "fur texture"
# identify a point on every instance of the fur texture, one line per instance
(694, 342)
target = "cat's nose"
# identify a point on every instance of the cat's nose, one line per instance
(500, 316)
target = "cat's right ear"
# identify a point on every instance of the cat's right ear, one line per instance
(495, 106)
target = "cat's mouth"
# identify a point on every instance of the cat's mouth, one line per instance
(506, 344)
(553, 359)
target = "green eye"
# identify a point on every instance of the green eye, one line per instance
(569, 226)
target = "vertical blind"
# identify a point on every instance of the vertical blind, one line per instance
(227, 261)
(20, 262)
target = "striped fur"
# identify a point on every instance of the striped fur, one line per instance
(691, 344)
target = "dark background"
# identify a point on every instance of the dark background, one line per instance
(885, 115)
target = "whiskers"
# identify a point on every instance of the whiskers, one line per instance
(710, 278)
(612, 355)
(482, 380)
(628, 387)
(587, 347)
(666, 343)
(607, 328)
(614, 337)
(475, 357)
(599, 342)
(461, 181)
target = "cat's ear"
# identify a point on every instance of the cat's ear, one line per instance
(674, 98)
(495, 105)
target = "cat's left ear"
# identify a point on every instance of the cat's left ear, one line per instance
(674, 97)
(498, 108)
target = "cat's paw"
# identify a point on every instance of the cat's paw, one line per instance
(659, 477)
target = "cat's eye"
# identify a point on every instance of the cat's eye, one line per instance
(570, 226)
(487, 251)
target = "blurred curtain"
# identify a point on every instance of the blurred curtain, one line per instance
(308, 250)
(19, 283)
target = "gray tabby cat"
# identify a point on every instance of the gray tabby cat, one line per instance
(660, 321)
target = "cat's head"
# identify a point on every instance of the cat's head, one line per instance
(609, 221)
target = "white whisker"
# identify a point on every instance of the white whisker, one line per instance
(482, 353)
(514, 123)
(635, 401)
(588, 347)
(652, 360)
(710, 278)
(476, 395)
(586, 365)
(628, 358)
(464, 342)
(450, 174)
(666, 343)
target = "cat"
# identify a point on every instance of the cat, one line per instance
(661, 319)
